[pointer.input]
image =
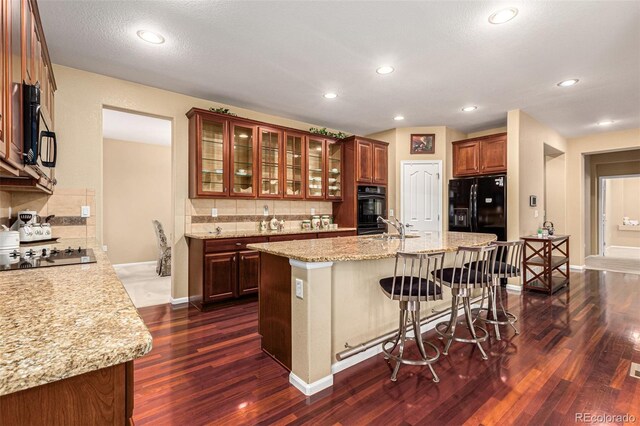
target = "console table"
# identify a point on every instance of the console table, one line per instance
(543, 261)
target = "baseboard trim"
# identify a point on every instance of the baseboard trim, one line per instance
(514, 287)
(119, 265)
(576, 267)
(179, 300)
(310, 388)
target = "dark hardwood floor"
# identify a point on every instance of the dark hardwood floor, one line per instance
(573, 355)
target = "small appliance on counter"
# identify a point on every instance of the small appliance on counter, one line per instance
(44, 256)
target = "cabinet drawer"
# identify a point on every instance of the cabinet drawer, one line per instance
(212, 246)
(292, 237)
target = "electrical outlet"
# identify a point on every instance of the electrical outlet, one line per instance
(390, 212)
(214, 212)
(313, 211)
(85, 211)
(535, 213)
(104, 248)
(265, 210)
(299, 288)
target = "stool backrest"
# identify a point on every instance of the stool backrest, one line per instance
(414, 272)
(482, 260)
(508, 258)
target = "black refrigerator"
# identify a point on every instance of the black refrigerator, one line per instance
(479, 205)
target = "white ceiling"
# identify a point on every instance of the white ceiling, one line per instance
(280, 57)
(125, 126)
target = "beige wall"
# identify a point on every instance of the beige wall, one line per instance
(622, 199)
(578, 192)
(555, 208)
(137, 189)
(79, 101)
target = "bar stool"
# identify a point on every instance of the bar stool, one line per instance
(409, 289)
(462, 281)
(508, 264)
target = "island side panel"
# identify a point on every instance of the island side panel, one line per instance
(274, 321)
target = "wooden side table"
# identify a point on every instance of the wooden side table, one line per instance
(543, 259)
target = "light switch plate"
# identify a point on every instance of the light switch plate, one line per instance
(535, 213)
(313, 211)
(214, 212)
(105, 248)
(390, 212)
(299, 288)
(85, 211)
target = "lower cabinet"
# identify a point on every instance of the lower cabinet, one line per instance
(223, 269)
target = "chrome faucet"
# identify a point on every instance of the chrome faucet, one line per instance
(400, 227)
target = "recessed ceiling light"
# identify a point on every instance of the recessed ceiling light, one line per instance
(504, 15)
(605, 122)
(568, 83)
(385, 69)
(398, 118)
(470, 108)
(150, 37)
(330, 95)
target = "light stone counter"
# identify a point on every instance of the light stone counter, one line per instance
(63, 321)
(370, 248)
(256, 233)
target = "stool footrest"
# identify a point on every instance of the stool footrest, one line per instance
(455, 338)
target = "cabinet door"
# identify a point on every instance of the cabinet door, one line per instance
(28, 47)
(270, 168)
(211, 156)
(380, 164)
(14, 88)
(334, 171)
(248, 272)
(364, 161)
(294, 166)
(220, 272)
(4, 79)
(315, 168)
(466, 158)
(493, 155)
(243, 155)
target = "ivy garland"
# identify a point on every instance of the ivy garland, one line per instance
(222, 111)
(326, 132)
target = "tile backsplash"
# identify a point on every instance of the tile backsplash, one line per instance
(244, 215)
(65, 204)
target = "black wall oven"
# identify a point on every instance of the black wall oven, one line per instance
(372, 202)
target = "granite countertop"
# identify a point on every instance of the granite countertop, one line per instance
(256, 233)
(370, 248)
(63, 321)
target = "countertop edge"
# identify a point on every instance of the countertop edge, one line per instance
(248, 234)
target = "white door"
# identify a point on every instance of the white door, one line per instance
(421, 195)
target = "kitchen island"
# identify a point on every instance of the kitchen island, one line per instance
(336, 302)
(68, 338)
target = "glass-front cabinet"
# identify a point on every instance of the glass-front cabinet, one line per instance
(294, 165)
(243, 150)
(270, 152)
(334, 171)
(315, 168)
(213, 159)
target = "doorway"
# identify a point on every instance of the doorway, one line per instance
(421, 195)
(136, 191)
(618, 215)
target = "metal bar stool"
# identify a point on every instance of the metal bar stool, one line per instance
(508, 264)
(462, 281)
(410, 289)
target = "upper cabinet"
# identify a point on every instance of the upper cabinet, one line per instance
(270, 160)
(371, 162)
(237, 157)
(480, 156)
(294, 165)
(379, 164)
(316, 167)
(4, 81)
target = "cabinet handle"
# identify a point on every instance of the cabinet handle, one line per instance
(238, 244)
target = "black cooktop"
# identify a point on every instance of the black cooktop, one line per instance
(45, 258)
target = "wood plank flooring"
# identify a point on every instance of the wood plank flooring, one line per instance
(573, 355)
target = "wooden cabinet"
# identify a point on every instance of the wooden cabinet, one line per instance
(4, 80)
(219, 276)
(243, 154)
(248, 272)
(223, 269)
(209, 155)
(334, 171)
(379, 165)
(364, 161)
(480, 156)
(294, 165)
(270, 162)
(316, 168)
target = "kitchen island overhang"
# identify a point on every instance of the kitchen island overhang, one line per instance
(320, 297)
